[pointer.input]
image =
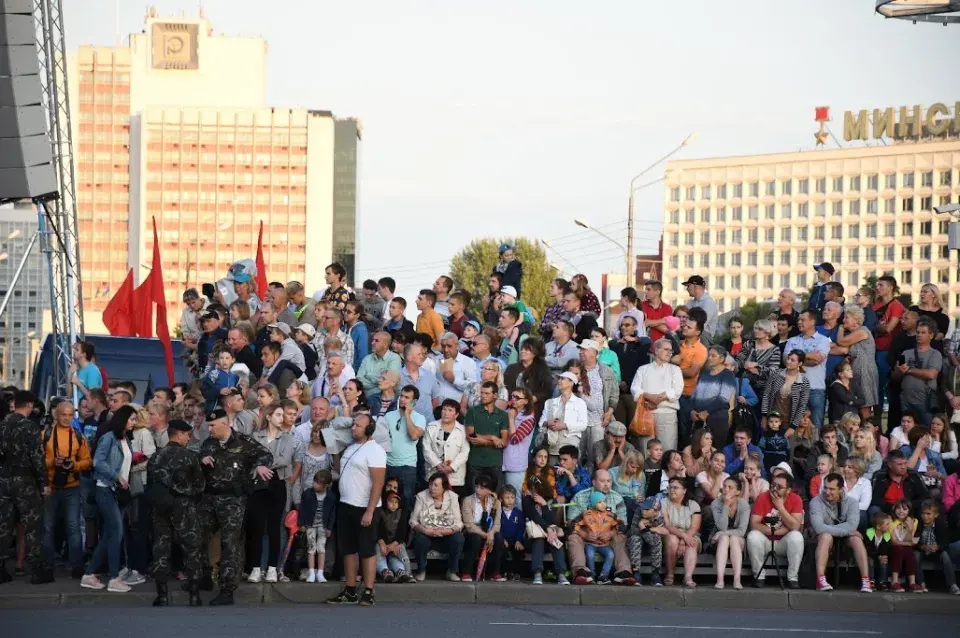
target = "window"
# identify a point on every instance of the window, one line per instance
(738, 190)
(752, 258)
(769, 235)
(803, 186)
(853, 231)
(721, 214)
(891, 181)
(735, 260)
(735, 282)
(802, 257)
(855, 183)
(871, 254)
(819, 233)
(690, 216)
(855, 207)
(890, 205)
(785, 281)
(907, 181)
(722, 191)
(736, 237)
(837, 208)
(802, 233)
(908, 204)
(925, 252)
(888, 253)
(946, 178)
(688, 239)
(836, 231)
(705, 215)
(720, 260)
(821, 184)
(853, 278)
(821, 209)
(786, 211)
(854, 255)
(768, 282)
(691, 193)
(873, 181)
(705, 192)
(945, 252)
(675, 261)
(944, 227)
(801, 280)
(943, 276)
(786, 187)
(752, 282)
(753, 212)
(675, 194)
(803, 210)
(737, 213)
(873, 207)
(871, 230)
(836, 255)
(674, 217)
(785, 258)
(675, 283)
(889, 229)
(927, 179)
(768, 258)
(926, 203)
(705, 261)
(674, 239)
(752, 236)
(688, 261)
(926, 228)
(721, 237)
(925, 276)
(906, 229)
(786, 233)
(818, 256)
(906, 276)
(769, 211)
(718, 282)
(838, 184)
(906, 252)
(754, 189)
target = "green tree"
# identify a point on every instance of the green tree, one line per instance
(472, 265)
(751, 311)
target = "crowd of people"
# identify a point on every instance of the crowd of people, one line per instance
(501, 439)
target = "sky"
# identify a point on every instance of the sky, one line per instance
(515, 117)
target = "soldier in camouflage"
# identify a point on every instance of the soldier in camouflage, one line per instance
(175, 484)
(23, 484)
(230, 460)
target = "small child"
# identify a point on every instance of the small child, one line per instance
(317, 516)
(879, 544)
(647, 529)
(512, 527)
(752, 483)
(933, 544)
(825, 465)
(470, 330)
(598, 520)
(904, 536)
(393, 530)
(651, 466)
(773, 443)
(219, 379)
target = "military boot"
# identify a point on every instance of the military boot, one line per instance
(225, 597)
(42, 576)
(205, 583)
(195, 594)
(162, 599)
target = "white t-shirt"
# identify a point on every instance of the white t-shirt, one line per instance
(355, 479)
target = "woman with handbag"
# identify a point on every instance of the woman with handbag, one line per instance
(543, 527)
(111, 471)
(137, 532)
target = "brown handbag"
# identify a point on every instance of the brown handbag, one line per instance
(642, 423)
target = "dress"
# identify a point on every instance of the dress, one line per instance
(865, 369)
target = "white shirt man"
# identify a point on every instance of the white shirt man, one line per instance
(456, 373)
(337, 376)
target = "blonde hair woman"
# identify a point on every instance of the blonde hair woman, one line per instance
(300, 392)
(855, 340)
(142, 447)
(931, 305)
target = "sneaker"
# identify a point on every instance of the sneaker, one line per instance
(538, 579)
(655, 580)
(823, 585)
(955, 590)
(422, 576)
(896, 588)
(255, 576)
(603, 579)
(117, 585)
(123, 573)
(498, 578)
(90, 581)
(303, 575)
(345, 597)
(624, 578)
(321, 578)
(583, 577)
(466, 578)
(271, 575)
(403, 578)
(515, 578)
(915, 588)
(865, 587)
(452, 577)
(924, 585)
(312, 577)
(134, 577)
(366, 598)
(388, 576)
(882, 587)
(562, 580)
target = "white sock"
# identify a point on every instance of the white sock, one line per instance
(313, 572)
(320, 572)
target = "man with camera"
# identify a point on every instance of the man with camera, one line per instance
(775, 523)
(23, 484)
(66, 455)
(833, 514)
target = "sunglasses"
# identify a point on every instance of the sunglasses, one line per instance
(518, 397)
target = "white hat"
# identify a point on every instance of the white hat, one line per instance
(307, 329)
(509, 290)
(571, 376)
(589, 343)
(783, 465)
(281, 326)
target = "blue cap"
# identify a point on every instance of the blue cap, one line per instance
(475, 324)
(242, 278)
(504, 248)
(648, 503)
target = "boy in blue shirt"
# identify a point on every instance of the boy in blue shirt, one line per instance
(512, 528)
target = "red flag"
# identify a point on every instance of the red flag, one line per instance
(118, 315)
(151, 292)
(261, 266)
(143, 310)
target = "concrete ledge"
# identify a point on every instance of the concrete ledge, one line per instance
(875, 603)
(15, 601)
(526, 594)
(108, 599)
(670, 597)
(706, 597)
(430, 592)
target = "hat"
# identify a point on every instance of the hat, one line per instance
(390, 494)
(190, 293)
(504, 248)
(826, 266)
(696, 280)
(240, 368)
(509, 290)
(672, 323)
(475, 324)
(782, 465)
(774, 413)
(649, 503)
(589, 343)
(210, 315)
(281, 326)
(307, 329)
(241, 278)
(179, 425)
(596, 497)
(615, 428)
(218, 413)
(571, 376)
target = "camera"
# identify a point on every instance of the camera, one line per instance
(772, 521)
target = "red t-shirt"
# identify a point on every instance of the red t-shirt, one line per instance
(894, 309)
(763, 506)
(649, 312)
(894, 492)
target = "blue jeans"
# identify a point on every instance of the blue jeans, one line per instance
(516, 480)
(407, 474)
(883, 374)
(396, 564)
(111, 533)
(590, 552)
(452, 545)
(63, 502)
(537, 547)
(818, 404)
(946, 564)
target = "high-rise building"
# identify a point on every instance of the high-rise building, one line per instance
(176, 127)
(753, 225)
(21, 322)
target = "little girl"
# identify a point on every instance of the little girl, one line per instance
(825, 465)
(903, 532)
(773, 443)
(753, 485)
(393, 530)
(317, 516)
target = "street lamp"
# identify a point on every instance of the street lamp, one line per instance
(14, 234)
(634, 187)
(584, 224)
(549, 246)
(3, 257)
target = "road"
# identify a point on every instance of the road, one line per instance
(471, 621)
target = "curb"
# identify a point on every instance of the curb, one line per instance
(516, 595)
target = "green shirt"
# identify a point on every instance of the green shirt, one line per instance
(372, 366)
(486, 423)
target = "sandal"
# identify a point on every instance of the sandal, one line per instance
(689, 584)
(668, 580)
(737, 586)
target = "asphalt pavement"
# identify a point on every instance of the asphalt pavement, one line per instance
(471, 621)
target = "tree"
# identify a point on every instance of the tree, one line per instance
(752, 311)
(472, 265)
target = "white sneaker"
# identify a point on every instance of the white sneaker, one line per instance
(117, 585)
(271, 575)
(123, 573)
(320, 578)
(254, 576)
(311, 577)
(134, 578)
(90, 581)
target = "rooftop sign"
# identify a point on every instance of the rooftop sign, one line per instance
(902, 123)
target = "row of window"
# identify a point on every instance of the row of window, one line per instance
(787, 234)
(838, 184)
(802, 256)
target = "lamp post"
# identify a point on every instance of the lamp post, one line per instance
(630, 206)
(549, 246)
(626, 253)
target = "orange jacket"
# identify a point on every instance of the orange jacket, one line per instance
(64, 437)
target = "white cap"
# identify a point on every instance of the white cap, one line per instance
(589, 343)
(571, 376)
(509, 290)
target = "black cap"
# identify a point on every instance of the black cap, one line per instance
(179, 425)
(210, 315)
(696, 280)
(825, 266)
(219, 413)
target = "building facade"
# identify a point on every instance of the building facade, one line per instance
(175, 126)
(754, 225)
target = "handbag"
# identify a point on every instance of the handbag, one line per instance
(534, 531)
(642, 423)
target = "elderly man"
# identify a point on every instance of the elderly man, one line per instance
(301, 305)
(333, 325)
(457, 373)
(577, 539)
(835, 515)
(326, 385)
(378, 361)
(609, 451)
(563, 349)
(775, 522)
(277, 293)
(816, 348)
(603, 383)
(480, 352)
(318, 416)
(413, 373)
(660, 384)
(699, 298)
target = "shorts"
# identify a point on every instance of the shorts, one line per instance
(352, 537)
(316, 539)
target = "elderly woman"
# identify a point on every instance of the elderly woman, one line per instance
(384, 399)
(437, 524)
(855, 340)
(490, 370)
(760, 358)
(564, 418)
(681, 517)
(659, 385)
(864, 447)
(714, 396)
(446, 449)
(858, 487)
(787, 392)
(731, 516)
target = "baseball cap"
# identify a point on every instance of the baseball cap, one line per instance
(774, 413)
(648, 503)
(179, 425)
(589, 343)
(782, 465)
(826, 266)
(307, 329)
(696, 280)
(281, 326)
(475, 324)
(241, 278)
(571, 376)
(509, 290)
(210, 315)
(219, 413)
(615, 428)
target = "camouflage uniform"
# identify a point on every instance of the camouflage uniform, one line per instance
(175, 472)
(23, 476)
(224, 501)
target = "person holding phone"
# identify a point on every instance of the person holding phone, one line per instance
(405, 426)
